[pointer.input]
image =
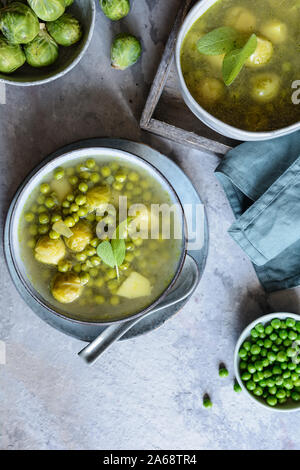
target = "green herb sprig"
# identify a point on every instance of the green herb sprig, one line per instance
(225, 40)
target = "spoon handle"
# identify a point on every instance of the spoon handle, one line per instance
(189, 279)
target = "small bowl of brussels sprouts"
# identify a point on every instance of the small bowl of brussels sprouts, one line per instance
(267, 361)
(41, 40)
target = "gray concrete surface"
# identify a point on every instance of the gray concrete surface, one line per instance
(145, 393)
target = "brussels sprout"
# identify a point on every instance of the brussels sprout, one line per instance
(49, 251)
(115, 9)
(68, 3)
(48, 10)
(82, 235)
(97, 197)
(11, 56)
(42, 51)
(66, 287)
(66, 30)
(18, 23)
(125, 51)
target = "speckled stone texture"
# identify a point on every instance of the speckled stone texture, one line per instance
(144, 393)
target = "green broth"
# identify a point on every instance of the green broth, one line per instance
(238, 104)
(155, 259)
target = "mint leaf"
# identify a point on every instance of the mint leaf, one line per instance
(119, 250)
(219, 41)
(234, 61)
(105, 252)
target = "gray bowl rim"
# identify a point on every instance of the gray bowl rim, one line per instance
(67, 69)
(246, 334)
(216, 124)
(8, 226)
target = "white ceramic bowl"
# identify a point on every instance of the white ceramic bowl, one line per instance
(216, 124)
(286, 407)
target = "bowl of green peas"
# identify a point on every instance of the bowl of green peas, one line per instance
(267, 361)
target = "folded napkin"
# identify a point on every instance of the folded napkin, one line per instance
(262, 183)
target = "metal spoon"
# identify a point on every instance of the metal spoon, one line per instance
(184, 287)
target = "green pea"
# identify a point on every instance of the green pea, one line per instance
(276, 324)
(83, 187)
(288, 384)
(49, 202)
(29, 216)
(120, 177)
(292, 335)
(74, 207)
(66, 204)
(77, 268)
(207, 402)
(75, 217)
(84, 278)
(255, 349)
(31, 243)
(236, 387)
(99, 299)
(291, 352)
(33, 229)
(290, 322)
(70, 197)
(59, 173)
(41, 199)
(250, 385)
(69, 221)
(272, 401)
(82, 211)
(267, 343)
(90, 251)
(80, 199)
(280, 394)
(286, 374)
(105, 171)
(94, 272)
(283, 334)
(55, 218)
(276, 370)
(247, 345)
(118, 186)
(279, 381)
(243, 365)
(251, 368)
(246, 376)
(273, 336)
(43, 229)
(95, 260)
(114, 300)
(90, 163)
(258, 391)
(54, 235)
(95, 178)
(295, 396)
(44, 188)
(287, 343)
(73, 180)
(133, 177)
(260, 328)
(281, 356)
(80, 256)
(44, 218)
(269, 330)
(254, 333)
(64, 266)
(223, 372)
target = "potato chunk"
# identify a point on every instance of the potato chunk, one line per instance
(210, 90)
(135, 286)
(82, 235)
(61, 188)
(66, 287)
(275, 30)
(49, 251)
(265, 87)
(241, 19)
(262, 53)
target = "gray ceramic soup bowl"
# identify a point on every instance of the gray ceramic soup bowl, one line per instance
(85, 12)
(34, 180)
(217, 125)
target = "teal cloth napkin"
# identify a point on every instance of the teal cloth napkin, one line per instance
(262, 183)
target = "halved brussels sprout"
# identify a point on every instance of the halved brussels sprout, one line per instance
(18, 23)
(49, 251)
(42, 51)
(48, 10)
(82, 235)
(115, 9)
(66, 30)
(11, 56)
(66, 287)
(125, 51)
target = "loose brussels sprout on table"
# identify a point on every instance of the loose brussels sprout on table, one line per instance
(115, 9)
(66, 30)
(11, 56)
(18, 23)
(48, 10)
(125, 51)
(42, 51)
